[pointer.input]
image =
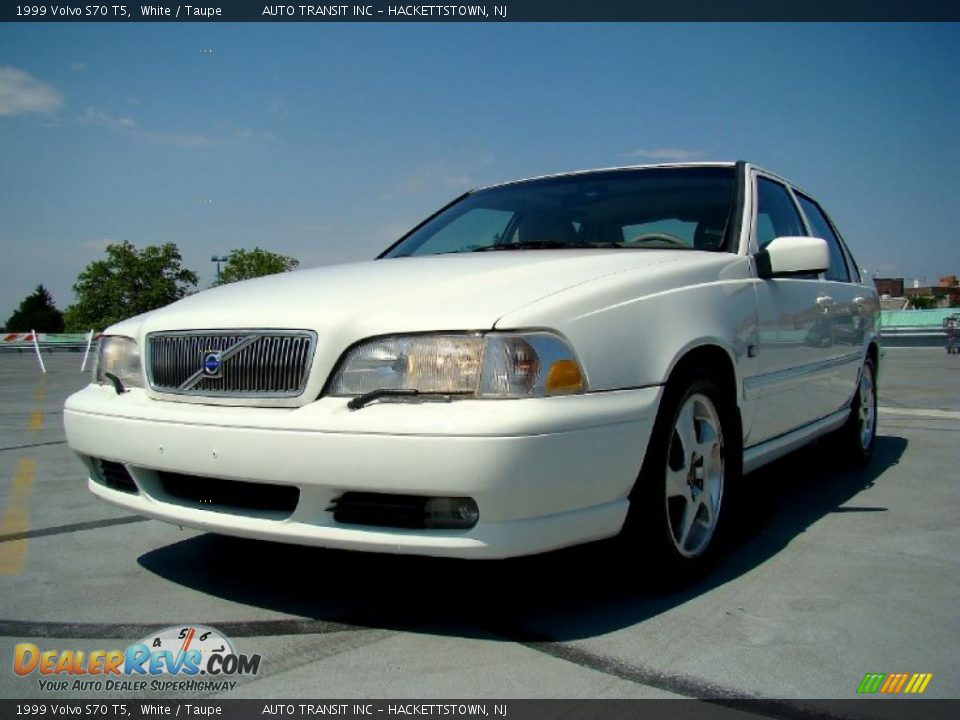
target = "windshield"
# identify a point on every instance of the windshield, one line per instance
(682, 208)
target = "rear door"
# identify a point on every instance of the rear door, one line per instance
(846, 306)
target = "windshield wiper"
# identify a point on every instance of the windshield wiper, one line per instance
(361, 401)
(542, 245)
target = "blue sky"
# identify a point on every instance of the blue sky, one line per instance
(326, 142)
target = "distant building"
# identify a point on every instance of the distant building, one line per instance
(946, 292)
(889, 286)
(892, 291)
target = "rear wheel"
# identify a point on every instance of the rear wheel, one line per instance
(680, 503)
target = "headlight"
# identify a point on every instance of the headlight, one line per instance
(119, 356)
(506, 365)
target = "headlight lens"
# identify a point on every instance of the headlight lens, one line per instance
(118, 355)
(506, 365)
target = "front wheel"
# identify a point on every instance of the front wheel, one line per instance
(680, 502)
(694, 476)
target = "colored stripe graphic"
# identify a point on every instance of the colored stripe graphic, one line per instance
(894, 683)
(870, 683)
(918, 683)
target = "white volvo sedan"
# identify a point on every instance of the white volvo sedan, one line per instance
(539, 364)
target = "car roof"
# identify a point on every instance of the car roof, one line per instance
(648, 166)
(590, 171)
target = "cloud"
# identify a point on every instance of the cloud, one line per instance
(22, 93)
(459, 181)
(667, 153)
(96, 245)
(389, 232)
(313, 228)
(442, 175)
(194, 140)
(180, 139)
(95, 116)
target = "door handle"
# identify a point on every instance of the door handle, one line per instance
(824, 301)
(859, 301)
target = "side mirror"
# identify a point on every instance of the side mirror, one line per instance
(785, 256)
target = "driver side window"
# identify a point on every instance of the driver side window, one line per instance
(777, 216)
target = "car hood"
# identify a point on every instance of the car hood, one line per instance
(438, 292)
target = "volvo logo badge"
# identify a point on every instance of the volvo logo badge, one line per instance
(212, 365)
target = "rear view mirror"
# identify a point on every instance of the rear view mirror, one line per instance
(785, 256)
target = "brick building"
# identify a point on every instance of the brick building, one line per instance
(889, 286)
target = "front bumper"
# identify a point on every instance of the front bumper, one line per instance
(545, 473)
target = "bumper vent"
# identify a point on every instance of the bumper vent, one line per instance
(412, 512)
(116, 477)
(246, 364)
(380, 510)
(278, 501)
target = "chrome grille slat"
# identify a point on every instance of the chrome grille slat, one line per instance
(254, 364)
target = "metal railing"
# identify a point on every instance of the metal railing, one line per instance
(50, 342)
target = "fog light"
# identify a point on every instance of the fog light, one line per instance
(451, 513)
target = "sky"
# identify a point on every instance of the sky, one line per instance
(327, 142)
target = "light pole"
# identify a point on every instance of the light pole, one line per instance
(218, 259)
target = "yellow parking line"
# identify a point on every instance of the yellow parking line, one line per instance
(36, 420)
(16, 518)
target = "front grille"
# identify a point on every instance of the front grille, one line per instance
(215, 494)
(249, 364)
(116, 476)
(380, 510)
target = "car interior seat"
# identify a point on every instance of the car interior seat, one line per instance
(545, 227)
(711, 230)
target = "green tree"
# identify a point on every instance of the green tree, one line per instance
(36, 312)
(128, 282)
(246, 264)
(923, 302)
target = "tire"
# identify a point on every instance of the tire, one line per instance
(857, 436)
(682, 500)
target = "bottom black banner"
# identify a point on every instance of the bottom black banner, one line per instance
(713, 709)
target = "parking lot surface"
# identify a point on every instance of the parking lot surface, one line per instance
(835, 573)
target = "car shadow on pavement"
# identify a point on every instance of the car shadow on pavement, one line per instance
(565, 595)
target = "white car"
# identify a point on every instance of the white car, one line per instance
(539, 364)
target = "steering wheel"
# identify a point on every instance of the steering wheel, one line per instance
(658, 237)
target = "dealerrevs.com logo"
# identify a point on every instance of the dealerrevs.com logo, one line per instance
(183, 652)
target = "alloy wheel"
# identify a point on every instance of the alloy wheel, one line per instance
(695, 476)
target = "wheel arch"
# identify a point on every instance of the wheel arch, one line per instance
(714, 358)
(873, 353)
(718, 361)
(645, 523)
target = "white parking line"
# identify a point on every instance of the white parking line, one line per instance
(928, 413)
